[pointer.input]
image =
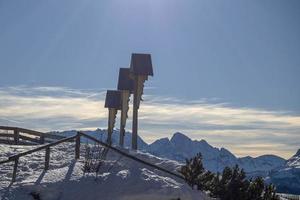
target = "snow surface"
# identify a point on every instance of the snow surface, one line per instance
(180, 147)
(119, 177)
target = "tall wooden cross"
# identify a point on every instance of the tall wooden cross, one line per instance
(140, 69)
(125, 85)
(113, 103)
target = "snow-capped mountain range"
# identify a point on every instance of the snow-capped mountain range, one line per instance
(287, 177)
(180, 147)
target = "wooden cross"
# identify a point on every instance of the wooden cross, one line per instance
(113, 103)
(125, 85)
(140, 69)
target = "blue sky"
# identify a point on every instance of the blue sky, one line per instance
(239, 57)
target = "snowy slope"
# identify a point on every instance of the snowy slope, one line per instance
(180, 147)
(287, 177)
(119, 177)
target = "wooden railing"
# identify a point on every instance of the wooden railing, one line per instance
(15, 158)
(22, 136)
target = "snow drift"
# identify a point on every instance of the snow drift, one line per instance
(118, 178)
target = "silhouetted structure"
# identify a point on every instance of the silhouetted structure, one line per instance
(113, 103)
(140, 69)
(125, 85)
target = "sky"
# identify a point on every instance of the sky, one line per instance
(224, 71)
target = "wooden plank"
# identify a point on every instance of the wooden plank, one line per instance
(14, 176)
(6, 135)
(32, 132)
(17, 156)
(8, 128)
(29, 139)
(23, 130)
(5, 141)
(47, 158)
(42, 147)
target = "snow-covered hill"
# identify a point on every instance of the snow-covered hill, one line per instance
(119, 177)
(287, 177)
(180, 147)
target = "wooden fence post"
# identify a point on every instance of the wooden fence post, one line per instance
(77, 146)
(42, 139)
(14, 175)
(16, 136)
(47, 158)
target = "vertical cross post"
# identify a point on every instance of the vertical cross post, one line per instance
(113, 103)
(125, 85)
(140, 69)
(124, 115)
(112, 113)
(135, 116)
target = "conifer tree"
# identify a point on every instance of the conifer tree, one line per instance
(232, 184)
(270, 193)
(195, 174)
(192, 169)
(255, 189)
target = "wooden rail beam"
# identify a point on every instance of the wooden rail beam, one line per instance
(42, 147)
(47, 158)
(23, 137)
(6, 135)
(8, 128)
(16, 157)
(32, 132)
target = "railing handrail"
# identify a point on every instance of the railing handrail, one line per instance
(41, 147)
(131, 156)
(16, 157)
(29, 131)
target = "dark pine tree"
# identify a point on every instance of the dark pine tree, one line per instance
(230, 185)
(270, 193)
(195, 174)
(255, 189)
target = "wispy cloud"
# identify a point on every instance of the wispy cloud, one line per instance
(245, 131)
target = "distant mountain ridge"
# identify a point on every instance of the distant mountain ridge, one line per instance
(287, 177)
(180, 147)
